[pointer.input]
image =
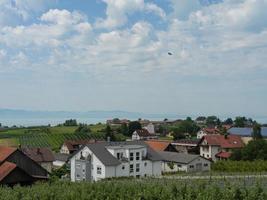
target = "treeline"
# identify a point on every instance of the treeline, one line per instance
(143, 189)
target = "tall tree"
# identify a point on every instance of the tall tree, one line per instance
(240, 121)
(228, 121)
(124, 129)
(133, 126)
(256, 133)
(109, 133)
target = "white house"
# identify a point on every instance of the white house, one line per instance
(219, 147)
(143, 134)
(150, 128)
(98, 161)
(174, 162)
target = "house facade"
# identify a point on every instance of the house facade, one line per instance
(98, 161)
(186, 145)
(18, 168)
(143, 134)
(175, 162)
(219, 147)
(70, 146)
(43, 156)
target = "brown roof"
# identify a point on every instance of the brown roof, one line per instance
(144, 133)
(211, 130)
(5, 152)
(158, 145)
(39, 154)
(6, 168)
(231, 141)
(73, 145)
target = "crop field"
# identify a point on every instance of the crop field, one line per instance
(52, 137)
(142, 189)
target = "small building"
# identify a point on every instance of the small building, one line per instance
(160, 145)
(187, 146)
(143, 134)
(207, 131)
(219, 147)
(150, 128)
(175, 162)
(117, 121)
(43, 156)
(70, 146)
(94, 162)
(60, 159)
(201, 120)
(18, 168)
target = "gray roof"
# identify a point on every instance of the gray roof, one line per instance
(61, 157)
(101, 152)
(246, 131)
(177, 157)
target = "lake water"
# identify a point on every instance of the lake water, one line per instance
(55, 121)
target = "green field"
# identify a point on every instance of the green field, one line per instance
(142, 189)
(52, 137)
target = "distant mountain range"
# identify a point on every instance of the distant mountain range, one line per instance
(18, 114)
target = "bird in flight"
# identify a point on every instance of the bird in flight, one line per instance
(170, 53)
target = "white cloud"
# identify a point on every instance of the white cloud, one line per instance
(118, 11)
(14, 12)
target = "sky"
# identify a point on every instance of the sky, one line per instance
(79, 55)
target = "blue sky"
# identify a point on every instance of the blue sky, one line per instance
(113, 55)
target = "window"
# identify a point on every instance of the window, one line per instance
(145, 164)
(137, 168)
(131, 169)
(179, 165)
(191, 166)
(98, 170)
(78, 165)
(206, 165)
(131, 156)
(137, 156)
(208, 155)
(78, 176)
(123, 167)
(119, 155)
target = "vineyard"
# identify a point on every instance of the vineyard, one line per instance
(52, 137)
(240, 166)
(141, 189)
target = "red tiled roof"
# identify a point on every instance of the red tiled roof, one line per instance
(39, 154)
(211, 130)
(5, 152)
(158, 145)
(231, 141)
(6, 168)
(223, 154)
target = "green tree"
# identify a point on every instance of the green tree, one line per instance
(240, 121)
(228, 121)
(124, 129)
(83, 129)
(133, 126)
(109, 133)
(256, 133)
(71, 122)
(211, 121)
(255, 150)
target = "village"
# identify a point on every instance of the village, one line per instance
(151, 150)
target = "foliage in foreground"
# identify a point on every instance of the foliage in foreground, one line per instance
(240, 166)
(140, 189)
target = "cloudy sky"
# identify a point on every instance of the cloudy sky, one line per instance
(113, 55)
